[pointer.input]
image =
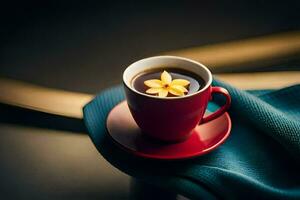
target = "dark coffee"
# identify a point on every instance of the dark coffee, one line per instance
(194, 81)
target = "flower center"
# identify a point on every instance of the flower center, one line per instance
(166, 85)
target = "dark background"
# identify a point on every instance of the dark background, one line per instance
(84, 46)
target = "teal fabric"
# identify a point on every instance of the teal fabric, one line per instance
(260, 159)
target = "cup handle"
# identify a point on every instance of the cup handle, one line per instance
(221, 110)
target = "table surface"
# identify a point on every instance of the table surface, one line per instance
(39, 163)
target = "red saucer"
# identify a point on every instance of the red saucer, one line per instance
(125, 132)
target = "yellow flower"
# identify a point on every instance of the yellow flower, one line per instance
(166, 84)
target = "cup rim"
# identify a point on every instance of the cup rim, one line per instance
(207, 83)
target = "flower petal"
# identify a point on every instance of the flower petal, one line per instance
(154, 83)
(153, 90)
(166, 78)
(181, 82)
(163, 93)
(179, 88)
(176, 92)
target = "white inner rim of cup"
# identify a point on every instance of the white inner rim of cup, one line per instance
(165, 62)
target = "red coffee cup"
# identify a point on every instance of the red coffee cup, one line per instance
(171, 119)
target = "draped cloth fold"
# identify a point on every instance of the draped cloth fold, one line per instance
(259, 160)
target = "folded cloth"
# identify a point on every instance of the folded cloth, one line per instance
(260, 159)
